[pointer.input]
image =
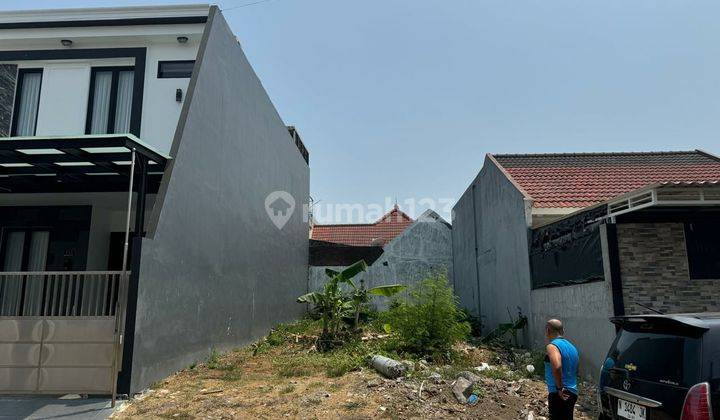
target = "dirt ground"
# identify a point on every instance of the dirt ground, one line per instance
(247, 385)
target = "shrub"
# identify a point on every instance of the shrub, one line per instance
(429, 321)
(213, 361)
(475, 323)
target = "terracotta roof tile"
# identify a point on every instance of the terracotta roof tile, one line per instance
(584, 179)
(379, 233)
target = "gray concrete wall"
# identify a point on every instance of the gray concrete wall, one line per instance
(317, 277)
(423, 248)
(216, 273)
(584, 310)
(465, 280)
(500, 223)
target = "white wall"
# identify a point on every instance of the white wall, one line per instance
(66, 83)
(160, 109)
(63, 99)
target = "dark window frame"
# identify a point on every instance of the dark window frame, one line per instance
(138, 54)
(28, 231)
(160, 73)
(113, 96)
(27, 242)
(698, 269)
(16, 103)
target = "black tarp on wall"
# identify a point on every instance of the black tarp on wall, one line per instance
(568, 251)
(336, 255)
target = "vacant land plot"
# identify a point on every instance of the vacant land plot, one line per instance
(283, 376)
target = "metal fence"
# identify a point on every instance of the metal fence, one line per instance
(61, 332)
(59, 293)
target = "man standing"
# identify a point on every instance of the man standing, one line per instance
(561, 368)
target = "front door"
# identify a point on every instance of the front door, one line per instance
(23, 250)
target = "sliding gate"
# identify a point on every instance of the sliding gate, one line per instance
(60, 332)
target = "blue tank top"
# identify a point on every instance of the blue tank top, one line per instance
(570, 358)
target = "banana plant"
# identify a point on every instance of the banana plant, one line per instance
(334, 304)
(361, 296)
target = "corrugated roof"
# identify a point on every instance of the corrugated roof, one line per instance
(576, 180)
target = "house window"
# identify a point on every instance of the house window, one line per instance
(27, 100)
(23, 250)
(175, 69)
(703, 249)
(110, 103)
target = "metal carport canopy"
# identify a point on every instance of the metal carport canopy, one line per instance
(84, 163)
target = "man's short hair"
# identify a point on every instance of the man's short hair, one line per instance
(555, 326)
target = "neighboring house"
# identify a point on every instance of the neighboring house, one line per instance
(378, 233)
(397, 249)
(583, 237)
(160, 100)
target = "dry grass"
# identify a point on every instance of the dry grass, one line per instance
(284, 377)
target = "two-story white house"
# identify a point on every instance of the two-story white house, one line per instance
(137, 148)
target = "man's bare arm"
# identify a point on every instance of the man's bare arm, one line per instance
(556, 365)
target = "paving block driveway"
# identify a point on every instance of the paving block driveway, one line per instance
(55, 408)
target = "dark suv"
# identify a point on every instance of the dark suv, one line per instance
(662, 367)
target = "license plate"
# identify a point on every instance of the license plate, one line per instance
(630, 411)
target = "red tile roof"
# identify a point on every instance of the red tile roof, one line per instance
(584, 179)
(379, 233)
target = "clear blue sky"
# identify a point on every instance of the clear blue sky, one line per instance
(403, 98)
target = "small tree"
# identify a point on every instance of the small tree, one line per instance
(430, 321)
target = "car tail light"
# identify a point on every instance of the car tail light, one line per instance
(697, 403)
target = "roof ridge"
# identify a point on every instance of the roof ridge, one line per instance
(708, 154)
(389, 214)
(570, 154)
(345, 224)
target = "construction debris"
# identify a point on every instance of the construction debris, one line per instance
(462, 389)
(470, 376)
(388, 367)
(435, 378)
(483, 366)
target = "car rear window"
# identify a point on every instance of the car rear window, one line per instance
(666, 358)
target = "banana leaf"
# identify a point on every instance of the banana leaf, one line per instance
(313, 298)
(351, 271)
(387, 290)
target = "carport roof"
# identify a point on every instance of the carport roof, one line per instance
(86, 163)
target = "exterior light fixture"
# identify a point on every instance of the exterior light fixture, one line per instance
(66, 42)
(178, 95)
(182, 39)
